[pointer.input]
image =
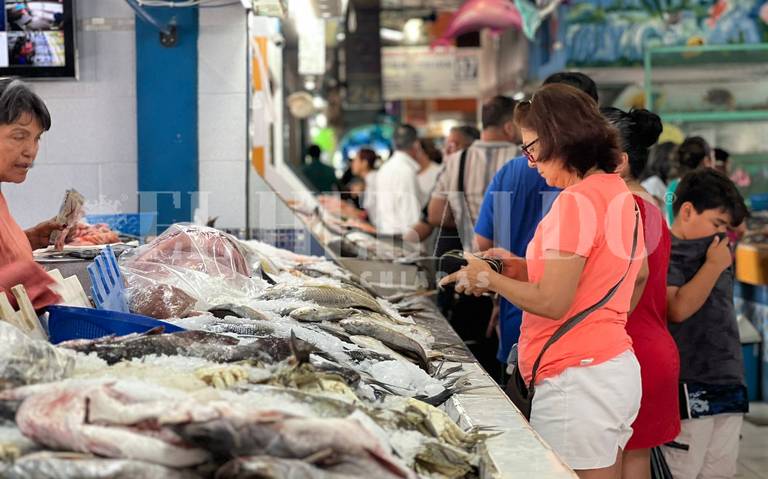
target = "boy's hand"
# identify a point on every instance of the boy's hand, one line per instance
(719, 254)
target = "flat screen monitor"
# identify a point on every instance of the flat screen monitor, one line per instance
(37, 39)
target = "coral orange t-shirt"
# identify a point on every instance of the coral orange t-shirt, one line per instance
(14, 244)
(595, 219)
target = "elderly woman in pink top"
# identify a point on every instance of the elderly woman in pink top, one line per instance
(587, 386)
(23, 119)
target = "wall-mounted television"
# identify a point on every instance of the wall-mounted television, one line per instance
(37, 38)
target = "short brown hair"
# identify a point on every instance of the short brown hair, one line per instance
(570, 126)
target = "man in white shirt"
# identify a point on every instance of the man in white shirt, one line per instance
(398, 196)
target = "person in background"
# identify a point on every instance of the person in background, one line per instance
(363, 166)
(456, 203)
(429, 161)
(357, 205)
(454, 207)
(321, 176)
(434, 154)
(658, 420)
(588, 253)
(514, 204)
(693, 154)
(657, 171)
(459, 138)
(23, 120)
(397, 202)
(703, 323)
(721, 161)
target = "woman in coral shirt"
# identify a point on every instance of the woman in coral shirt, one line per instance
(23, 119)
(588, 384)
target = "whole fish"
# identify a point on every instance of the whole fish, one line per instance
(267, 467)
(309, 314)
(102, 417)
(389, 335)
(238, 311)
(326, 295)
(57, 465)
(345, 443)
(200, 344)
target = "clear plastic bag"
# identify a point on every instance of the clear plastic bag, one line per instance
(28, 361)
(187, 268)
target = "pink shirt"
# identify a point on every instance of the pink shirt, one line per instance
(14, 245)
(594, 219)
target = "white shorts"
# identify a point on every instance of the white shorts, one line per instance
(713, 448)
(586, 413)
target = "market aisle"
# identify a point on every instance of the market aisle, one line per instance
(753, 462)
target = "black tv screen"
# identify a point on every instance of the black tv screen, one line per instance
(37, 38)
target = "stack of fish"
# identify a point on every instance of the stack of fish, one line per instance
(313, 377)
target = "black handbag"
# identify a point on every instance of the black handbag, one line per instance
(520, 393)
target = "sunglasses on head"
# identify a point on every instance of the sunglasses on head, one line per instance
(527, 151)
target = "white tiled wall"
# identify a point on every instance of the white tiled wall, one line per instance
(222, 112)
(92, 143)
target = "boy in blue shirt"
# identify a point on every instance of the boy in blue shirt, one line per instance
(703, 323)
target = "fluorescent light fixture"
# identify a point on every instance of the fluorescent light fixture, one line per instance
(518, 96)
(391, 35)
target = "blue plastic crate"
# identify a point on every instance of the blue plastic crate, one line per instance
(68, 322)
(134, 224)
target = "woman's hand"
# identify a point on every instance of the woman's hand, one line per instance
(514, 266)
(472, 279)
(40, 236)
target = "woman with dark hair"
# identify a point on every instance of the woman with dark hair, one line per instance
(23, 120)
(693, 154)
(585, 263)
(658, 421)
(656, 174)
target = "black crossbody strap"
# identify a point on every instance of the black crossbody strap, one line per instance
(573, 321)
(462, 165)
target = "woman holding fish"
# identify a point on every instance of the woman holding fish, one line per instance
(23, 119)
(584, 268)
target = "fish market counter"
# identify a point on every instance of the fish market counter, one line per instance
(517, 451)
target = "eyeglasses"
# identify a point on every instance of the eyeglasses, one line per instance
(527, 151)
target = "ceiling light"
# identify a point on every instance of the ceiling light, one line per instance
(518, 96)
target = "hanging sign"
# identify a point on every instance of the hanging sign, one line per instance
(411, 73)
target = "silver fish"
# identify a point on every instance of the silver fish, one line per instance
(311, 314)
(388, 335)
(325, 295)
